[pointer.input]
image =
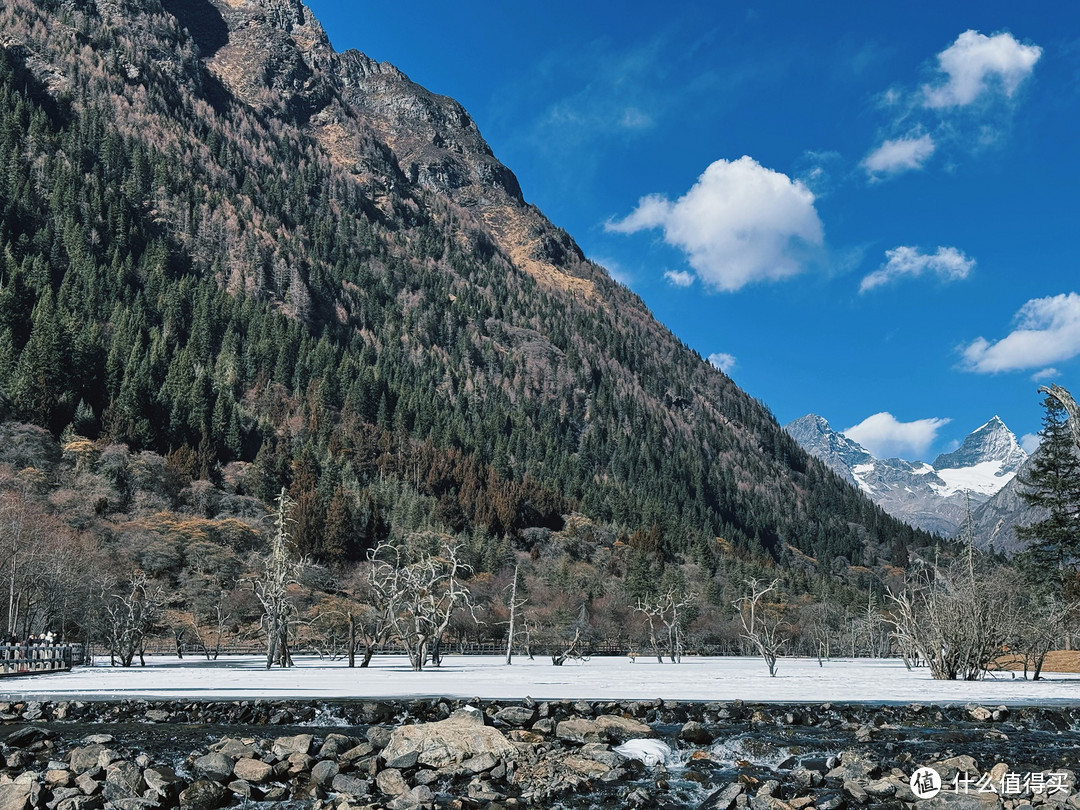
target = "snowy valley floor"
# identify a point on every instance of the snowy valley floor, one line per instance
(706, 679)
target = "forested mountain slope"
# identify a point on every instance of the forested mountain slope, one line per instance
(221, 240)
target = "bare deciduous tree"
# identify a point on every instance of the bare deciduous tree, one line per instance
(1039, 625)
(669, 610)
(419, 598)
(761, 621)
(514, 604)
(958, 617)
(132, 609)
(280, 571)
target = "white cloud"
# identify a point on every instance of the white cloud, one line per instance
(679, 278)
(900, 155)
(723, 361)
(740, 223)
(1045, 374)
(1030, 442)
(947, 263)
(973, 61)
(885, 437)
(1047, 331)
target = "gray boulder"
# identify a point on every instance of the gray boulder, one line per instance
(284, 747)
(448, 742)
(214, 766)
(202, 794)
(252, 770)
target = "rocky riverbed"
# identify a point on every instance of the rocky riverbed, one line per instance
(411, 754)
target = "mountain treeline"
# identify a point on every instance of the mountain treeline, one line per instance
(183, 273)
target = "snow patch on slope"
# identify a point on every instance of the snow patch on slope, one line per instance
(985, 478)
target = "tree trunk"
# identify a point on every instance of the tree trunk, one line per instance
(352, 642)
(513, 616)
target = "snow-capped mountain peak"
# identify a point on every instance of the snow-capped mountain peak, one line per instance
(990, 442)
(934, 496)
(986, 460)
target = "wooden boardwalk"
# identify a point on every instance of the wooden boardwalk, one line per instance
(31, 659)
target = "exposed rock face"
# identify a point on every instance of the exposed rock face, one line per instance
(994, 522)
(277, 57)
(447, 742)
(934, 497)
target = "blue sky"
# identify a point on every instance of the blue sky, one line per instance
(863, 210)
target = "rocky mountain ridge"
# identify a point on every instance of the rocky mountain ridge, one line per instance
(228, 238)
(936, 497)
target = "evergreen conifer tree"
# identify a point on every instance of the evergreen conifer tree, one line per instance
(1053, 484)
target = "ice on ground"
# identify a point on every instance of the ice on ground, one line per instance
(649, 752)
(799, 680)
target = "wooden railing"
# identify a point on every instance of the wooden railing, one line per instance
(25, 659)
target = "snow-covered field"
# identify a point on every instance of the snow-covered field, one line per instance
(797, 681)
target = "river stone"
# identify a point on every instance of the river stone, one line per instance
(522, 736)
(378, 736)
(134, 803)
(335, 745)
(162, 780)
(586, 767)
(58, 778)
(234, 749)
(252, 770)
(950, 800)
(419, 797)
(948, 768)
(357, 752)
(480, 763)
(324, 771)
(87, 784)
(17, 796)
(157, 715)
(284, 747)
(696, 733)
(298, 763)
(601, 729)
(854, 765)
(59, 794)
(425, 777)
(202, 794)
(16, 759)
(123, 780)
(880, 789)
(391, 783)
(601, 753)
(239, 787)
(214, 765)
(980, 714)
(447, 742)
(855, 792)
(350, 785)
(90, 756)
(402, 761)
(723, 798)
(516, 715)
(26, 736)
